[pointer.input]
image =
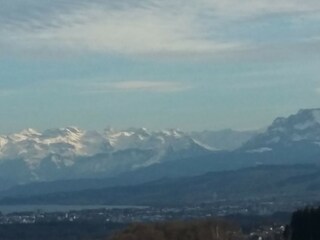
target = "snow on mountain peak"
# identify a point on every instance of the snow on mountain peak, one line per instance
(140, 131)
(142, 138)
(62, 132)
(30, 132)
(71, 152)
(173, 133)
(32, 146)
(70, 142)
(302, 126)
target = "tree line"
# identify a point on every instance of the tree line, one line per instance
(305, 225)
(189, 230)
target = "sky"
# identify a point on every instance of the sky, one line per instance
(187, 64)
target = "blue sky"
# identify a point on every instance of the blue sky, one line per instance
(192, 64)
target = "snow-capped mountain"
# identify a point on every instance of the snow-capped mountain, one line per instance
(300, 128)
(141, 138)
(32, 146)
(73, 153)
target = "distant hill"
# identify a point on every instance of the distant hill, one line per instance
(302, 181)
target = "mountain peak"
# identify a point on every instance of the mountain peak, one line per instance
(56, 132)
(311, 113)
(173, 132)
(302, 120)
(302, 126)
(29, 132)
(140, 131)
(73, 129)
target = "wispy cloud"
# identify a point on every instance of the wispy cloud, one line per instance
(144, 27)
(251, 8)
(140, 86)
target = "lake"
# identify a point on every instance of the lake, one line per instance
(5, 209)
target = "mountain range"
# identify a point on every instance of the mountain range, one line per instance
(72, 153)
(71, 159)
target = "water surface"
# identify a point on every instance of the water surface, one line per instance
(5, 209)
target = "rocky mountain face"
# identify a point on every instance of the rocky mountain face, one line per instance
(302, 128)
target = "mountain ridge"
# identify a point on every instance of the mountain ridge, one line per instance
(260, 182)
(66, 153)
(139, 155)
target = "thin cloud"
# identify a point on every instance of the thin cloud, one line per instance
(141, 86)
(251, 8)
